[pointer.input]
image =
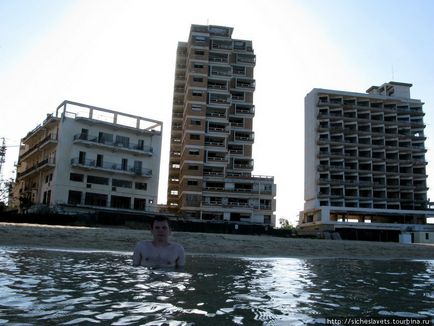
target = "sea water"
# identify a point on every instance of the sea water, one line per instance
(56, 287)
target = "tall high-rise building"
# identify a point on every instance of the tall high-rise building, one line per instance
(365, 165)
(211, 164)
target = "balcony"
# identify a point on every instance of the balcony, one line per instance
(49, 139)
(240, 164)
(216, 157)
(248, 137)
(214, 142)
(115, 146)
(211, 203)
(242, 109)
(111, 167)
(221, 45)
(219, 99)
(216, 113)
(217, 85)
(218, 57)
(217, 71)
(245, 84)
(248, 59)
(217, 128)
(213, 172)
(39, 166)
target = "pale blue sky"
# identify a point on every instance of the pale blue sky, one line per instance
(120, 54)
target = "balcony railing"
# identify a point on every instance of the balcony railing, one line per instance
(49, 138)
(94, 164)
(127, 146)
(37, 166)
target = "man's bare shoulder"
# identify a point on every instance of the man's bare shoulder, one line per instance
(176, 245)
(143, 243)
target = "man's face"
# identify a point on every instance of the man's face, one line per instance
(160, 230)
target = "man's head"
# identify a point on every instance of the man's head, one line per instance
(159, 219)
(160, 228)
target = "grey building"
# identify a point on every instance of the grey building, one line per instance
(365, 165)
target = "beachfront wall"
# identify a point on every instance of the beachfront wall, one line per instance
(85, 158)
(423, 237)
(364, 159)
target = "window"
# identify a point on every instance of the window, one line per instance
(193, 167)
(105, 138)
(120, 202)
(196, 93)
(195, 122)
(141, 185)
(174, 192)
(84, 134)
(198, 79)
(195, 137)
(196, 107)
(199, 52)
(138, 167)
(193, 200)
(97, 180)
(99, 160)
(139, 204)
(141, 144)
(74, 197)
(193, 152)
(192, 183)
(122, 141)
(239, 70)
(122, 183)
(95, 199)
(124, 164)
(199, 38)
(82, 158)
(76, 177)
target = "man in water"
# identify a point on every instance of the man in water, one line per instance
(159, 252)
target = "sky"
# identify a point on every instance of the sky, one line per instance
(120, 55)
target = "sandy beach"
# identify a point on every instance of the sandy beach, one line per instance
(123, 239)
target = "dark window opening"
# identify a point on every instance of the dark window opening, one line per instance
(74, 197)
(95, 199)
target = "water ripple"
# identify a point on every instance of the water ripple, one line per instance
(59, 287)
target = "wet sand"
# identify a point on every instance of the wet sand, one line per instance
(123, 239)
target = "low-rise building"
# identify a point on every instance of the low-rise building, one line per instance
(85, 158)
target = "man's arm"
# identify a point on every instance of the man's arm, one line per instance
(137, 257)
(180, 261)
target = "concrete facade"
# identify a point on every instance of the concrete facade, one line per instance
(84, 157)
(211, 164)
(365, 161)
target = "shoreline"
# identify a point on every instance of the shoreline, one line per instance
(117, 239)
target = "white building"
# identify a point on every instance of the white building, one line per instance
(365, 164)
(84, 158)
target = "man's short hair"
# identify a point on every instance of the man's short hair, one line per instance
(160, 218)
